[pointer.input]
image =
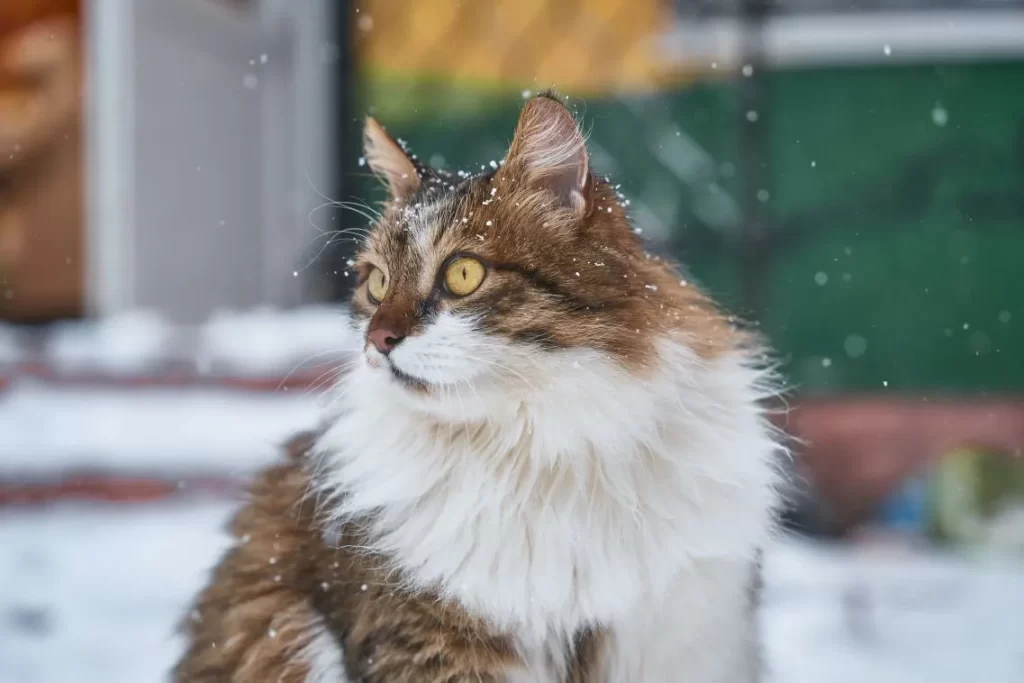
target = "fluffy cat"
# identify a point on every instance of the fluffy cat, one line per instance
(550, 463)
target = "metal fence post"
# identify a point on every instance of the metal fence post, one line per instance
(754, 164)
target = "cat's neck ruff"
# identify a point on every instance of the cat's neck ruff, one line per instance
(567, 501)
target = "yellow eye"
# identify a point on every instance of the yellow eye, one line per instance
(464, 275)
(377, 285)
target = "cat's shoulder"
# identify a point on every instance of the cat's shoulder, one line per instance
(254, 619)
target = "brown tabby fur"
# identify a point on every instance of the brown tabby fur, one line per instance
(281, 580)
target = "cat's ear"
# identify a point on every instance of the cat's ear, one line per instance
(389, 161)
(550, 151)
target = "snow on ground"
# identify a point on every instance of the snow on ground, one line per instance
(130, 342)
(11, 345)
(262, 341)
(854, 614)
(91, 593)
(46, 430)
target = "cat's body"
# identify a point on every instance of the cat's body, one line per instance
(551, 465)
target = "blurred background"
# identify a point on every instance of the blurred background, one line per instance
(849, 175)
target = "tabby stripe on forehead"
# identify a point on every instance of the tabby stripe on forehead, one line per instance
(577, 303)
(446, 218)
(456, 203)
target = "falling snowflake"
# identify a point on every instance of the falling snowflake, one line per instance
(855, 346)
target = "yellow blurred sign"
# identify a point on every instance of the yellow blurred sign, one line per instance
(586, 47)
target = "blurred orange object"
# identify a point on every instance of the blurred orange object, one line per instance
(41, 205)
(16, 14)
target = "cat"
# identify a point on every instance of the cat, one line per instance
(549, 463)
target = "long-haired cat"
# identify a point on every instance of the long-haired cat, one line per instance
(550, 463)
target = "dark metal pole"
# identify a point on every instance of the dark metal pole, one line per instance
(754, 155)
(346, 145)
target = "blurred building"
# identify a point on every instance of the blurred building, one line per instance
(184, 179)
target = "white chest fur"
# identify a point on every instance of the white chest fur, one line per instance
(588, 497)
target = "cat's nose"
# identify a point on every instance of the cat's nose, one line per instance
(384, 340)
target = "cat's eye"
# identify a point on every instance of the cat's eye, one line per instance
(377, 285)
(464, 275)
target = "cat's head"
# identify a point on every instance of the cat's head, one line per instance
(472, 285)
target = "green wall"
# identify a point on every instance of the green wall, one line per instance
(895, 205)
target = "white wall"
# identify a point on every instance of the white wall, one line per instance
(208, 143)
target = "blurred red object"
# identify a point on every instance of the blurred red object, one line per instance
(115, 489)
(858, 450)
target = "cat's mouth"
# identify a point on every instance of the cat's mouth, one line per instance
(408, 380)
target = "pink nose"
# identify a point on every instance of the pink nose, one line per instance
(384, 340)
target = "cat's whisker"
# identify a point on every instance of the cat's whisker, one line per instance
(330, 375)
(333, 237)
(306, 360)
(337, 202)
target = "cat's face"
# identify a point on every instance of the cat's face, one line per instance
(494, 283)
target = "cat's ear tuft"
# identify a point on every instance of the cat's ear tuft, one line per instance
(550, 151)
(389, 161)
